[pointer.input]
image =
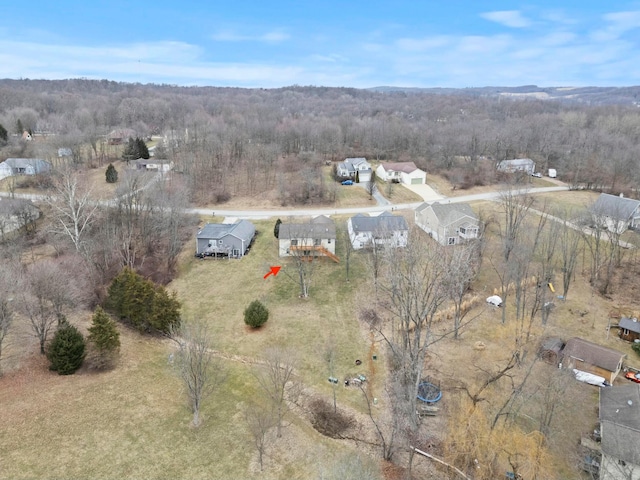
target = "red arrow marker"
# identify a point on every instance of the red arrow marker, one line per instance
(274, 271)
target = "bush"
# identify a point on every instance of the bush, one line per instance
(636, 348)
(256, 314)
(104, 339)
(67, 349)
(328, 422)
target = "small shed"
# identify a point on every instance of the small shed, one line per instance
(551, 350)
(629, 329)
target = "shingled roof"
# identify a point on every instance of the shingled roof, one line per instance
(614, 206)
(450, 212)
(382, 224)
(631, 324)
(406, 167)
(593, 354)
(319, 227)
(620, 422)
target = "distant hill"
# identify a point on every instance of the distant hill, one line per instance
(584, 95)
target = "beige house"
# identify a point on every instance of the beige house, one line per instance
(592, 358)
(401, 172)
(448, 224)
(316, 238)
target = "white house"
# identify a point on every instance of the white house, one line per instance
(616, 213)
(448, 224)
(23, 166)
(355, 168)
(620, 432)
(385, 229)
(517, 165)
(154, 165)
(316, 238)
(401, 172)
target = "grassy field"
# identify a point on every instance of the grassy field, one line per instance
(133, 422)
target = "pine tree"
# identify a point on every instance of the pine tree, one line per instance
(4, 135)
(141, 147)
(111, 174)
(141, 302)
(130, 151)
(67, 350)
(105, 340)
(256, 314)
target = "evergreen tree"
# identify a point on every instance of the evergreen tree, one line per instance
(276, 229)
(143, 151)
(130, 151)
(141, 302)
(67, 349)
(111, 174)
(4, 135)
(256, 314)
(104, 338)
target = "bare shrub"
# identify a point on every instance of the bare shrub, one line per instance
(328, 422)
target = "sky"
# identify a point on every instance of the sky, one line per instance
(347, 43)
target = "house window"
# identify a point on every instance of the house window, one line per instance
(451, 241)
(219, 242)
(316, 242)
(294, 242)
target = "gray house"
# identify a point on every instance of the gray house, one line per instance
(517, 165)
(23, 166)
(225, 239)
(385, 229)
(620, 432)
(352, 166)
(448, 224)
(316, 238)
(616, 213)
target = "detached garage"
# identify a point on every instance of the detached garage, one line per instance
(402, 172)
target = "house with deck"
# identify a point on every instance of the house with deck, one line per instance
(231, 240)
(448, 224)
(385, 230)
(316, 238)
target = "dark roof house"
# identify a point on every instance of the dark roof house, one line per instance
(620, 432)
(616, 212)
(449, 223)
(310, 239)
(629, 329)
(384, 229)
(228, 239)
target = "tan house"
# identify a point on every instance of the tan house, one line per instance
(448, 224)
(401, 172)
(592, 358)
(316, 238)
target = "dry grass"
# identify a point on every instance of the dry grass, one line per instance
(397, 193)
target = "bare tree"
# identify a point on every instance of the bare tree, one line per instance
(569, 239)
(464, 264)
(371, 185)
(260, 420)
(73, 208)
(194, 364)
(515, 207)
(6, 305)
(303, 251)
(276, 380)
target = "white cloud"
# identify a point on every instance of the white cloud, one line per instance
(618, 23)
(422, 44)
(275, 36)
(508, 18)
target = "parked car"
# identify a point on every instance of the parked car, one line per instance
(634, 377)
(347, 182)
(536, 174)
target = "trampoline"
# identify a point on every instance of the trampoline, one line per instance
(429, 393)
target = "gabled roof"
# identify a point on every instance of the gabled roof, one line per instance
(451, 212)
(620, 422)
(38, 164)
(593, 354)
(614, 206)
(630, 324)
(215, 231)
(319, 228)
(383, 223)
(406, 167)
(352, 164)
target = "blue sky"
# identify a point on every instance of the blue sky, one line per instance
(417, 43)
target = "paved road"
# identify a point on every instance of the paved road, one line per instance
(264, 214)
